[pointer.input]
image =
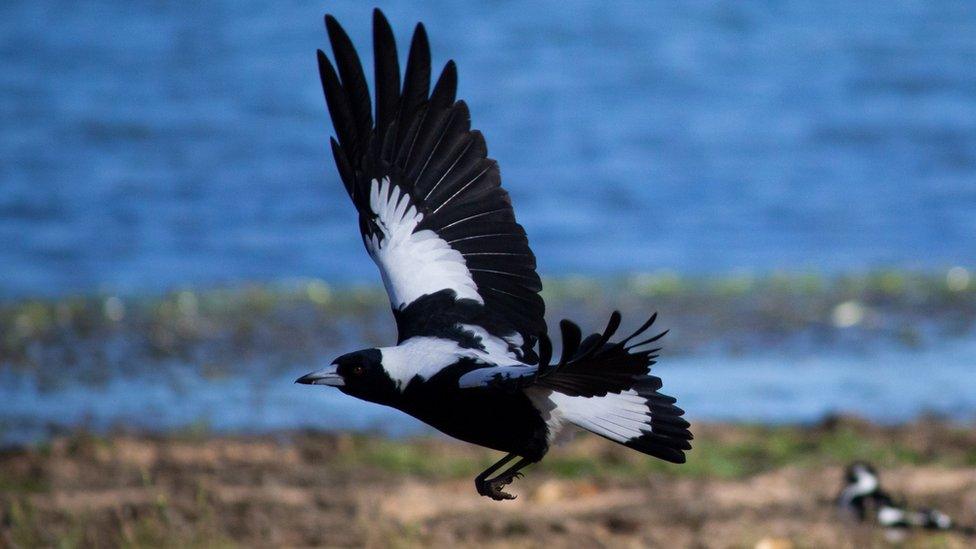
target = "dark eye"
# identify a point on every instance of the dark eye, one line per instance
(358, 370)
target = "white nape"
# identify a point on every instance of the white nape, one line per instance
(499, 349)
(866, 483)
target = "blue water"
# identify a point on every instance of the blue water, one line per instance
(886, 386)
(151, 145)
(146, 145)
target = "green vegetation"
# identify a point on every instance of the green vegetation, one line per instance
(743, 451)
(286, 323)
(423, 458)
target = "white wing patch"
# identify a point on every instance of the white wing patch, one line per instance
(505, 364)
(425, 356)
(617, 416)
(500, 349)
(890, 516)
(413, 264)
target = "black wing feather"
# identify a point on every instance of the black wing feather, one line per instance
(353, 81)
(595, 367)
(416, 81)
(386, 70)
(343, 119)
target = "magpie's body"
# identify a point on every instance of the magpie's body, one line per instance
(864, 499)
(472, 357)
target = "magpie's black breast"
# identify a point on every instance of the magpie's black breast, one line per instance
(497, 419)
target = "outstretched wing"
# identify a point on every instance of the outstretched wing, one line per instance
(432, 212)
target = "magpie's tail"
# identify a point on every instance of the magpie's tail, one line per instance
(606, 388)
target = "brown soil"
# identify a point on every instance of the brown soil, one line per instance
(341, 490)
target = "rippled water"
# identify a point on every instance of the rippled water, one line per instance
(148, 144)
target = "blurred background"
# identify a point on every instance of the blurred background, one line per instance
(791, 185)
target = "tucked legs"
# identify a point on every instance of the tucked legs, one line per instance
(492, 488)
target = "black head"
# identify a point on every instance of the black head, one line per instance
(360, 374)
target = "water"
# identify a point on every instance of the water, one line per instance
(885, 386)
(145, 145)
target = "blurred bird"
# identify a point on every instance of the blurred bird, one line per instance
(472, 357)
(863, 498)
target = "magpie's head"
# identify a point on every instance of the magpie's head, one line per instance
(861, 478)
(360, 374)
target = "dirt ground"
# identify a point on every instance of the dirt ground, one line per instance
(746, 487)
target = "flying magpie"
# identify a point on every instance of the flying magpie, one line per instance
(472, 358)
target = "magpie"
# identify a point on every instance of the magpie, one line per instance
(863, 498)
(472, 358)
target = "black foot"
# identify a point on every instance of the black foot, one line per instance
(492, 488)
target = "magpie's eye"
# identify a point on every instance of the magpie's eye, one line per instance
(358, 370)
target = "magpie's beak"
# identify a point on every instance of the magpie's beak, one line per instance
(325, 376)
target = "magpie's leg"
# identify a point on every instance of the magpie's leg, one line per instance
(481, 483)
(496, 484)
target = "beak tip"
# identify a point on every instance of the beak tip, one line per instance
(321, 377)
(307, 379)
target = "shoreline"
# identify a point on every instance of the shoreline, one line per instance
(726, 313)
(787, 347)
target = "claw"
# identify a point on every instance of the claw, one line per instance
(510, 478)
(493, 488)
(496, 493)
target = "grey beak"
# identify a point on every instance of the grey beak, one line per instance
(325, 376)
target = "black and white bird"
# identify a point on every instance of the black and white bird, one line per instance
(472, 357)
(863, 498)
